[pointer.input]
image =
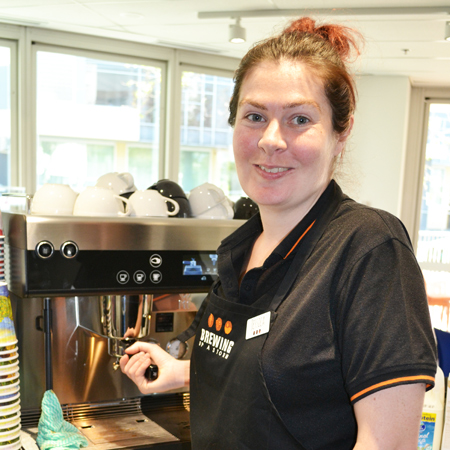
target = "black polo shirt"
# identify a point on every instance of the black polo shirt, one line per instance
(355, 321)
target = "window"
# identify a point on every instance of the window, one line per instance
(433, 247)
(206, 152)
(96, 116)
(86, 105)
(429, 155)
(5, 117)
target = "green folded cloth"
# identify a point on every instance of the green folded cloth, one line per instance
(53, 431)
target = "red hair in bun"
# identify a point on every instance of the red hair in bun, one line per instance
(324, 49)
(340, 37)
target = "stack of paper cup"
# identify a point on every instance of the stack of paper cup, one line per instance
(2, 258)
(9, 376)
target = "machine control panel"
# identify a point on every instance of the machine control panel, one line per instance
(72, 269)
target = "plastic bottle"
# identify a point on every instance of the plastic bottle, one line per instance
(430, 434)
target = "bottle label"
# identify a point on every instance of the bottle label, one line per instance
(426, 433)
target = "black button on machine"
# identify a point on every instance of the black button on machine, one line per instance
(44, 249)
(69, 249)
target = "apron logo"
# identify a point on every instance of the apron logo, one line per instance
(212, 341)
(228, 324)
(228, 327)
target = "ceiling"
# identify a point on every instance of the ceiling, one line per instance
(401, 38)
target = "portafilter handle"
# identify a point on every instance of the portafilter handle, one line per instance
(152, 371)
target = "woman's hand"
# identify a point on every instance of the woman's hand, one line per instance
(172, 373)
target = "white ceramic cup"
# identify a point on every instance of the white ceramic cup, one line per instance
(220, 211)
(151, 203)
(53, 200)
(100, 201)
(205, 197)
(120, 183)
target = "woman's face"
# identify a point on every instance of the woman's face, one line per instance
(284, 142)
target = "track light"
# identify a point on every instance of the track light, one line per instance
(447, 31)
(237, 33)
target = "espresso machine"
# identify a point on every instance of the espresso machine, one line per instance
(82, 290)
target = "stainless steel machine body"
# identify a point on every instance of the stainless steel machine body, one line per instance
(89, 283)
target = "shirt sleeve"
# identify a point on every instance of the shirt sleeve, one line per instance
(384, 332)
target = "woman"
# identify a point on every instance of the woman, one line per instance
(317, 334)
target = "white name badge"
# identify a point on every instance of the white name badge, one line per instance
(258, 325)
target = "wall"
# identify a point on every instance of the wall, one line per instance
(373, 168)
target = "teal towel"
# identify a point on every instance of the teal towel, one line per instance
(53, 431)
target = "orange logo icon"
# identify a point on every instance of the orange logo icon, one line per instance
(228, 327)
(210, 320)
(218, 324)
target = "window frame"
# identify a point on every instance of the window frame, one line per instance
(13, 155)
(414, 167)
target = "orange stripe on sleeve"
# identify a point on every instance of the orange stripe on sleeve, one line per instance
(392, 382)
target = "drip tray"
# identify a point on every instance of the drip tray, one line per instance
(124, 431)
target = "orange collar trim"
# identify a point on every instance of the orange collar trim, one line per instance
(299, 239)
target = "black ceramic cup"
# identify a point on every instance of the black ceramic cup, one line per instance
(170, 189)
(244, 208)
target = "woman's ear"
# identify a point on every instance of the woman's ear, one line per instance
(343, 137)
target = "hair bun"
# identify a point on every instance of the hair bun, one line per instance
(343, 39)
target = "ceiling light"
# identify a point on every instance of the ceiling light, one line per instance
(237, 33)
(447, 31)
(326, 11)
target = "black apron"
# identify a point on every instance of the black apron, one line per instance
(231, 405)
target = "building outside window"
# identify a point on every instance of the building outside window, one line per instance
(96, 116)
(433, 246)
(5, 117)
(206, 153)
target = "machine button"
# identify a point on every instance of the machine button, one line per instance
(155, 260)
(156, 276)
(69, 249)
(123, 277)
(44, 249)
(139, 276)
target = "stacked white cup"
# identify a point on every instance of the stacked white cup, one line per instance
(208, 201)
(54, 200)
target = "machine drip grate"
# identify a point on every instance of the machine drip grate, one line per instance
(104, 410)
(71, 412)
